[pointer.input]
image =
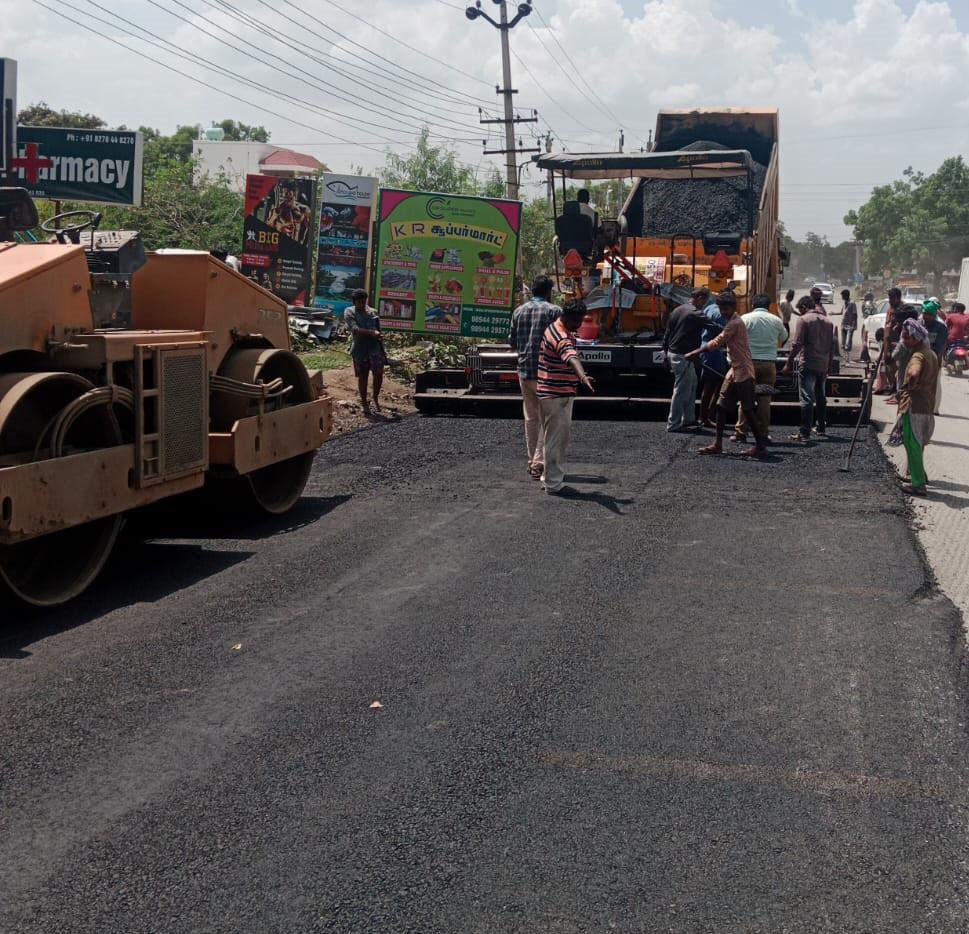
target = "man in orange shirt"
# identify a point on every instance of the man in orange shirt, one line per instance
(740, 384)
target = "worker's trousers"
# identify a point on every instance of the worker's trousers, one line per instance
(683, 403)
(534, 431)
(557, 422)
(766, 375)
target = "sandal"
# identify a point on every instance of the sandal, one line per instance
(710, 449)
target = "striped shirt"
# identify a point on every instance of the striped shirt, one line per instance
(555, 374)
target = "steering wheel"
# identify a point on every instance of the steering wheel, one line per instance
(72, 232)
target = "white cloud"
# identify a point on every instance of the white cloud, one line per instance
(872, 69)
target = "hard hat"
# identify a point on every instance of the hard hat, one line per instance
(931, 307)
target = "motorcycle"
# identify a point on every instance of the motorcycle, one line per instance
(957, 359)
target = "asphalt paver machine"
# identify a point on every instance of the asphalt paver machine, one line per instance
(702, 211)
(127, 377)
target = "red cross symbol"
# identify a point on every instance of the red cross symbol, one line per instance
(31, 162)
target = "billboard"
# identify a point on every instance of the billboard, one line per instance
(346, 206)
(8, 112)
(446, 263)
(100, 166)
(276, 243)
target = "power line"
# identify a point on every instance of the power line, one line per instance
(578, 74)
(384, 77)
(435, 84)
(249, 103)
(406, 45)
(352, 99)
(193, 58)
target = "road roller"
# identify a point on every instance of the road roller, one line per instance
(127, 377)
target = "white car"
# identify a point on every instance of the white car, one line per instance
(827, 291)
(870, 328)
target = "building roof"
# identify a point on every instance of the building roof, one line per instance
(287, 158)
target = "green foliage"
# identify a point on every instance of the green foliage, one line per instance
(243, 132)
(40, 114)
(538, 232)
(330, 358)
(177, 213)
(428, 168)
(920, 222)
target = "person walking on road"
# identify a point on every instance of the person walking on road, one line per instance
(765, 333)
(367, 349)
(916, 422)
(740, 383)
(528, 325)
(786, 307)
(683, 333)
(813, 348)
(938, 337)
(713, 366)
(849, 322)
(560, 372)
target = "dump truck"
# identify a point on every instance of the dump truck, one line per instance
(127, 377)
(702, 211)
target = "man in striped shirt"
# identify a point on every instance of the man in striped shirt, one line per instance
(560, 372)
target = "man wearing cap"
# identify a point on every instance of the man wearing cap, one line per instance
(367, 350)
(740, 383)
(813, 348)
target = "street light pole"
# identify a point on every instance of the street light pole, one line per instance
(504, 26)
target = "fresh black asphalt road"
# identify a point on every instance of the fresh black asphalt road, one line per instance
(702, 695)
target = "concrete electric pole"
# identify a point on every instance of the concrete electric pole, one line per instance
(504, 26)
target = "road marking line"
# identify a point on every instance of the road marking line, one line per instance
(847, 783)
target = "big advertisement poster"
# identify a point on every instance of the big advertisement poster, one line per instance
(346, 206)
(276, 235)
(446, 263)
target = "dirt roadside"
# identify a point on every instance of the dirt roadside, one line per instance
(396, 401)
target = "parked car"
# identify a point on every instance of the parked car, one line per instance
(872, 325)
(827, 292)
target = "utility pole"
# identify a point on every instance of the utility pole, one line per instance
(504, 26)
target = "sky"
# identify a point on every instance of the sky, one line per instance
(864, 88)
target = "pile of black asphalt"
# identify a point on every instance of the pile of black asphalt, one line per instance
(695, 207)
(697, 695)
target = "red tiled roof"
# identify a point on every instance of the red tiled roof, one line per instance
(288, 157)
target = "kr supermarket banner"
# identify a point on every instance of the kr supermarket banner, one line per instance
(276, 235)
(446, 263)
(344, 246)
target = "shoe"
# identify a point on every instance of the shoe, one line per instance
(820, 435)
(797, 436)
(738, 439)
(561, 491)
(536, 472)
(914, 490)
(904, 480)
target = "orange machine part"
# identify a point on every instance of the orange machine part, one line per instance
(43, 295)
(197, 292)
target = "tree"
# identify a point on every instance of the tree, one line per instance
(176, 212)
(537, 234)
(428, 168)
(40, 114)
(920, 222)
(242, 132)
